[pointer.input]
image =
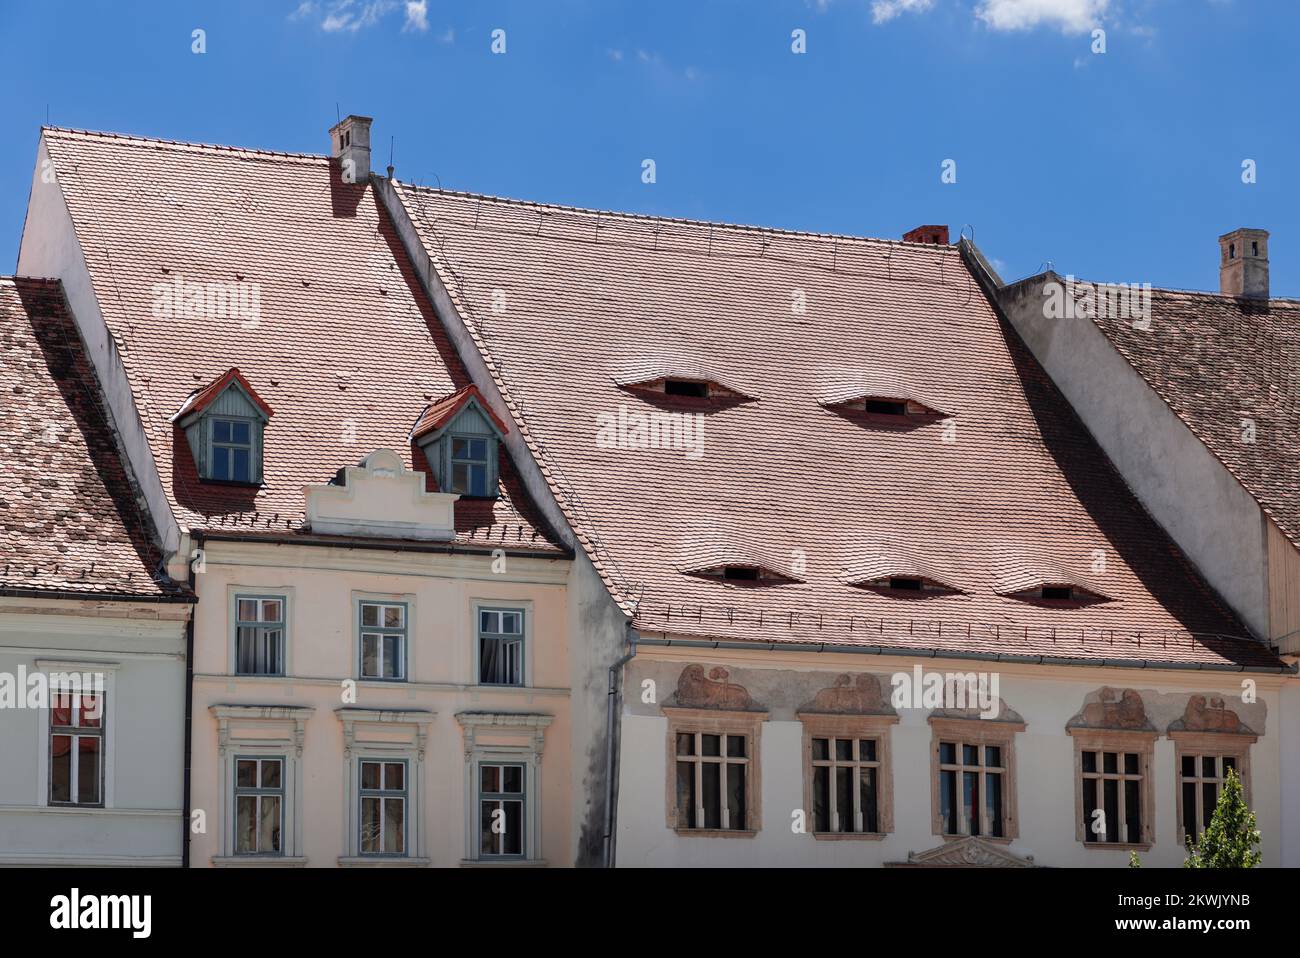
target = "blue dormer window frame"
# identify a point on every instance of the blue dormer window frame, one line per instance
(231, 449)
(471, 464)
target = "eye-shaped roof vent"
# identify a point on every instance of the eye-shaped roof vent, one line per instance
(727, 554)
(881, 400)
(1045, 582)
(898, 571)
(681, 380)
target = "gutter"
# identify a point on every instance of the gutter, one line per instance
(611, 754)
(397, 545)
(666, 642)
(166, 597)
(189, 717)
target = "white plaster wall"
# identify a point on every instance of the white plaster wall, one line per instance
(50, 250)
(1184, 487)
(142, 824)
(1045, 781)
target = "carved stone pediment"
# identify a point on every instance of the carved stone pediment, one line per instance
(714, 690)
(1114, 709)
(1209, 714)
(969, 852)
(857, 694)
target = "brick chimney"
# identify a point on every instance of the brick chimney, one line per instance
(1243, 264)
(927, 234)
(350, 145)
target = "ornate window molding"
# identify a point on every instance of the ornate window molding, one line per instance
(851, 730)
(504, 738)
(697, 724)
(958, 735)
(1122, 743)
(385, 735)
(261, 731)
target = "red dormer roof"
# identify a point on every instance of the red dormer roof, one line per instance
(440, 412)
(201, 399)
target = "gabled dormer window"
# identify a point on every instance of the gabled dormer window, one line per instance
(461, 439)
(224, 424)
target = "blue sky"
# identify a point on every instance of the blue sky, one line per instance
(1120, 166)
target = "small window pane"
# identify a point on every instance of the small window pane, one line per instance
(736, 746)
(843, 750)
(993, 756)
(221, 430)
(239, 433)
(820, 749)
(1110, 762)
(490, 778)
(393, 616)
(512, 779)
(867, 750)
(948, 753)
(370, 775)
(247, 610)
(270, 774)
(1207, 766)
(241, 471)
(821, 799)
(370, 615)
(271, 611)
(1189, 766)
(1089, 761)
(1131, 763)
(246, 774)
(712, 744)
(970, 755)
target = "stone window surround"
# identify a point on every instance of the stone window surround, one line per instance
(287, 723)
(981, 732)
(851, 726)
(527, 734)
(1140, 741)
(1230, 744)
(358, 724)
(715, 722)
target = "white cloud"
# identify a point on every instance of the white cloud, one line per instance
(1069, 16)
(306, 8)
(417, 16)
(348, 15)
(882, 11)
(615, 55)
(448, 37)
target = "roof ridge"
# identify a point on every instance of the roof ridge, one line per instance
(185, 144)
(686, 221)
(1179, 291)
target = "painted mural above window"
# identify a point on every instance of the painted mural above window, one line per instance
(224, 425)
(460, 437)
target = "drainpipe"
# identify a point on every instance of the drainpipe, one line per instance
(611, 701)
(189, 710)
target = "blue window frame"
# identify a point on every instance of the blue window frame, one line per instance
(470, 465)
(502, 811)
(383, 807)
(232, 450)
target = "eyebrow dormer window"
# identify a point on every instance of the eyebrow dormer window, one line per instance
(232, 450)
(1063, 593)
(686, 387)
(885, 407)
(904, 582)
(741, 573)
(470, 465)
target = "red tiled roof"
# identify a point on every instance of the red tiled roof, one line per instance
(439, 413)
(592, 292)
(1216, 361)
(202, 398)
(345, 346)
(69, 522)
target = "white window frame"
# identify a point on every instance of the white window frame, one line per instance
(108, 746)
(408, 645)
(524, 606)
(523, 800)
(209, 436)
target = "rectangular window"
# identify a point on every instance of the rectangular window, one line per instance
(501, 646)
(259, 805)
(972, 788)
(469, 465)
(1200, 778)
(259, 635)
(383, 808)
(383, 640)
(1112, 796)
(712, 780)
(77, 748)
(501, 810)
(232, 450)
(846, 784)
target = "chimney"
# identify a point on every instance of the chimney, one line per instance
(1243, 264)
(927, 234)
(350, 145)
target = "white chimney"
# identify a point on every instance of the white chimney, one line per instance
(350, 143)
(1243, 264)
